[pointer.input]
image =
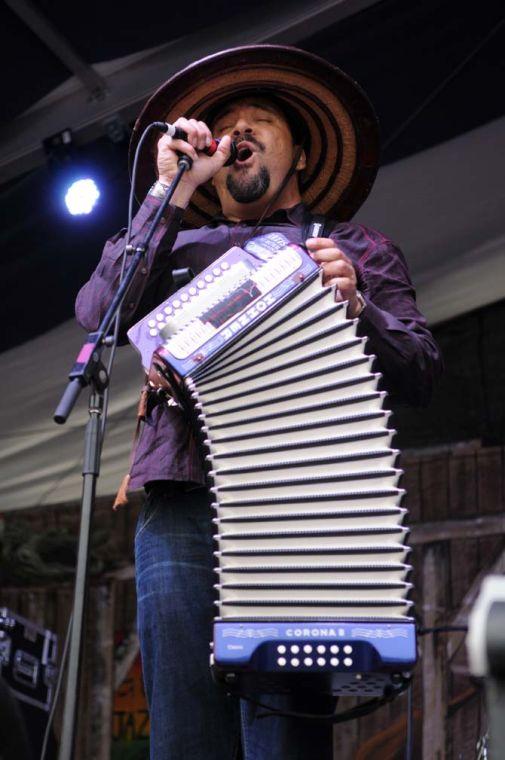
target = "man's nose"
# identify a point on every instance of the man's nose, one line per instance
(242, 127)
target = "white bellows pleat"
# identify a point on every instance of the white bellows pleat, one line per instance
(303, 478)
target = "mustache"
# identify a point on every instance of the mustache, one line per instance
(250, 139)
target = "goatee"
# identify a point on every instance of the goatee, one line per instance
(245, 188)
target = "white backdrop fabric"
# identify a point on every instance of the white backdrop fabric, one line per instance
(445, 207)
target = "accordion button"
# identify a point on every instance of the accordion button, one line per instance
(347, 662)
(334, 661)
(308, 661)
(281, 661)
(321, 662)
(295, 662)
(334, 649)
(321, 649)
(295, 648)
(307, 648)
(281, 649)
(348, 649)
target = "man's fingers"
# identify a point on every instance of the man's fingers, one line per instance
(339, 268)
(223, 149)
(324, 249)
(182, 146)
(345, 289)
(198, 133)
(315, 244)
(329, 254)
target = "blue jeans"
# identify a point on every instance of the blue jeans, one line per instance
(192, 718)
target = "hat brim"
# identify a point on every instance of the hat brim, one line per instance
(343, 158)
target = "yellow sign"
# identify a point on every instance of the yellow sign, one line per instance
(131, 719)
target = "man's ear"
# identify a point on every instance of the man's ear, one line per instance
(302, 162)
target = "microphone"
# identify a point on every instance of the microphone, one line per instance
(179, 134)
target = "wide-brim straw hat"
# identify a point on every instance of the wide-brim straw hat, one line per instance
(343, 152)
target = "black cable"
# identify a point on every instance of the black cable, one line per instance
(409, 744)
(57, 689)
(359, 711)
(442, 629)
(117, 321)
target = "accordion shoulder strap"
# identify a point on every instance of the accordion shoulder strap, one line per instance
(316, 225)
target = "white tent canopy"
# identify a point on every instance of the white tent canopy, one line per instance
(445, 207)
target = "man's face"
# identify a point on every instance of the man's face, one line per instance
(257, 124)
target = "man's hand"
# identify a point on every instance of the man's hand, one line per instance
(204, 167)
(337, 270)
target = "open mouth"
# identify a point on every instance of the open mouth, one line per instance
(244, 151)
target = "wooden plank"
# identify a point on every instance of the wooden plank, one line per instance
(464, 556)
(447, 530)
(345, 735)
(463, 485)
(411, 481)
(372, 725)
(434, 488)
(490, 483)
(434, 668)
(463, 728)
(489, 547)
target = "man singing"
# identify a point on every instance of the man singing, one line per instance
(310, 146)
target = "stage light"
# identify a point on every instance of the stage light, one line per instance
(81, 196)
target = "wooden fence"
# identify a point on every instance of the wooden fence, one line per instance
(455, 497)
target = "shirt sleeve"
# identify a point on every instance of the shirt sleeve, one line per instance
(407, 354)
(96, 295)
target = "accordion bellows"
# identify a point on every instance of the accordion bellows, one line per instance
(302, 472)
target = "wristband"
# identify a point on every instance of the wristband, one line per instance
(158, 190)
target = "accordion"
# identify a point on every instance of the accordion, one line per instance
(311, 559)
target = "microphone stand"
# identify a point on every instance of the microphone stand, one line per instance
(89, 370)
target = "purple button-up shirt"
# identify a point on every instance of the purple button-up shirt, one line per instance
(407, 355)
